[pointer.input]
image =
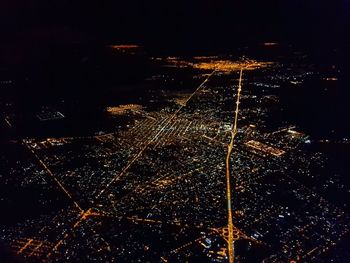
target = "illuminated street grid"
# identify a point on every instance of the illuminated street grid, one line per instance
(155, 190)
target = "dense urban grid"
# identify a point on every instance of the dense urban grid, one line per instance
(203, 168)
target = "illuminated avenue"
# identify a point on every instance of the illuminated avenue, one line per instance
(197, 169)
(228, 174)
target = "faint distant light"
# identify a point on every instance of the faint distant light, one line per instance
(332, 79)
(124, 46)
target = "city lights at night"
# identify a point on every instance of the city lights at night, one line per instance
(212, 131)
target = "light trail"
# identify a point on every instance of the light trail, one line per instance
(60, 185)
(25, 246)
(36, 249)
(126, 168)
(8, 122)
(230, 245)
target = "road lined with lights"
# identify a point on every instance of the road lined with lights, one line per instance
(230, 245)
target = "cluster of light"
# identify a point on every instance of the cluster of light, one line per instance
(265, 148)
(231, 66)
(177, 62)
(181, 101)
(122, 109)
(181, 98)
(213, 63)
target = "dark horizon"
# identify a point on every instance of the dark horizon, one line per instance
(180, 25)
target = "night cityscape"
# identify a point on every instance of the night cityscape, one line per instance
(212, 131)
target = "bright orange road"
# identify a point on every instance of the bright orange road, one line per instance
(230, 246)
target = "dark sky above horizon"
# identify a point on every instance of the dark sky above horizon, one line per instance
(176, 24)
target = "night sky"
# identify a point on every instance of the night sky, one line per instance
(180, 24)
